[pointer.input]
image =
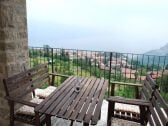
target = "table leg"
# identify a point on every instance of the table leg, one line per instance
(48, 120)
(37, 119)
(71, 123)
(110, 112)
(85, 124)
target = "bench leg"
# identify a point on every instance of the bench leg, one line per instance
(11, 113)
(48, 120)
(100, 115)
(37, 118)
(85, 124)
(142, 115)
(110, 112)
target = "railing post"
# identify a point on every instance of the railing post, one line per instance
(109, 74)
(52, 60)
(112, 89)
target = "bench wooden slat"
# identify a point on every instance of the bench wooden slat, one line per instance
(22, 84)
(154, 104)
(161, 101)
(151, 81)
(129, 101)
(151, 122)
(159, 111)
(154, 115)
(145, 92)
(148, 86)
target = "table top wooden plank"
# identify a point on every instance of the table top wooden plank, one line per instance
(94, 101)
(84, 105)
(88, 100)
(66, 97)
(95, 117)
(82, 100)
(56, 99)
(79, 96)
(52, 94)
(72, 99)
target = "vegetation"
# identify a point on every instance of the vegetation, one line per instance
(84, 66)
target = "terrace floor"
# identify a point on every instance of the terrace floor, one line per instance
(102, 121)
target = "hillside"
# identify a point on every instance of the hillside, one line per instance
(159, 52)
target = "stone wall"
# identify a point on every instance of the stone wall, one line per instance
(13, 46)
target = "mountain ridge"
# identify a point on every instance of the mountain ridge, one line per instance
(163, 51)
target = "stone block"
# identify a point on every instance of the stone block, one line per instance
(10, 57)
(1, 69)
(4, 122)
(3, 58)
(2, 46)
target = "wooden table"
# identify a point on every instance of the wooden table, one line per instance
(83, 106)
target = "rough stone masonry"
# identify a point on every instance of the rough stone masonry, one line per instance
(13, 46)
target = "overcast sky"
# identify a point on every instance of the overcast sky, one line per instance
(117, 25)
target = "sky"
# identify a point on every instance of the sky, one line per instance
(134, 26)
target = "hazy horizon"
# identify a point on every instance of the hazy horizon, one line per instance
(122, 26)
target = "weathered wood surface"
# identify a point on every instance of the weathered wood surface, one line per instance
(22, 84)
(83, 106)
(153, 108)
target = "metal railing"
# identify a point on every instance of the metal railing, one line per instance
(120, 67)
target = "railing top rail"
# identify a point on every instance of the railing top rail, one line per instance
(104, 51)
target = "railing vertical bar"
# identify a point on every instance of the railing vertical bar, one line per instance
(99, 64)
(60, 51)
(153, 63)
(126, 67)
(95, 63)
(44, 55)
(86, 60)
(52, 55)
(68, 54)
(81, 59)
(73, 60)
(109, 74)
(77, 63)
(40, 55)
(116, 66)
(121, 65)
(142, 67)
(56, 62)
(158, 68)
(136, 70)
(147, 65)
(131, 68)
(163, 69)
(105, 64)
(91, 64)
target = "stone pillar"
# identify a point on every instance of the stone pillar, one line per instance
(13, 46)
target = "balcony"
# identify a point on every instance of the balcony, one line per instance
(118, 68)
(125, 72)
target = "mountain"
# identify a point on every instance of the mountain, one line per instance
(163, 51)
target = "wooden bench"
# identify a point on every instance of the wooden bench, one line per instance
(149, 104)
(22, 85)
